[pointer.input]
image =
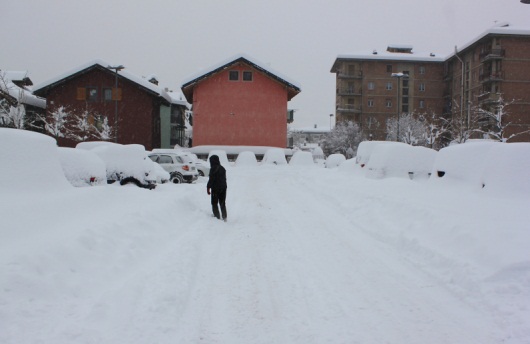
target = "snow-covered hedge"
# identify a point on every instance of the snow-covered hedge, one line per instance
(274, 156)
(302, 158)
(334, 160)
(82, 167)
(400, 160)
(29, 162)
(246, 158)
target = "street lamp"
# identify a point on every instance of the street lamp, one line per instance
(116, 69)
(398, 76)
(330, 116)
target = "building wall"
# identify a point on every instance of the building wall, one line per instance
(250, 113)
(138, 110)
(368, 94)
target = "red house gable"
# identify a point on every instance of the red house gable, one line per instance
(239, 103)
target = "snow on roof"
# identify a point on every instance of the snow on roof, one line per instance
(21, 94)
(498, 29)
(123, 73)
(195, 77)
(386, 55)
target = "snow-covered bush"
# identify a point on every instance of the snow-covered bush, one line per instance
(400, 160)
(302, 158)
(29, 162)
(334, 160)
(82, 167)
(274, 156)
(246, 158)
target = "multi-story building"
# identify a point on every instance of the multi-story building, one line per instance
(372, 87)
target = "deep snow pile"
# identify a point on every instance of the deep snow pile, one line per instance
(309, 255)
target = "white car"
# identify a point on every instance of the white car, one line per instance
(180, 168)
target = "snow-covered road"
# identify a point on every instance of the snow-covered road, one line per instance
(307, 256)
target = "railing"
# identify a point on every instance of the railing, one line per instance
(489, 98)
(349, 108)
(497, 76)
(492, 54)
(349, 91)
(357, 75)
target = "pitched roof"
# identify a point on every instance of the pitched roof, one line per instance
(157, 90)
(9, 85)
(190, 82)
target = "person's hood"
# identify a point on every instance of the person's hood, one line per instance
(214, 160)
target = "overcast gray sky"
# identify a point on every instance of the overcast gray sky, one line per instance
(174, 39)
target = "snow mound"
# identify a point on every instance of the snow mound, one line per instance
(302, 158)
(274, 156)
(82, 167)
(334, 160)
(364, 151)
(30, 162)
(463, 163)
(400, 160)
(246, 158)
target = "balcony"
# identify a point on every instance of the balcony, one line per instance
(357, 75)
(490, 77)
(493, 54)
(348, 108)
(349, 91)
(489, 98)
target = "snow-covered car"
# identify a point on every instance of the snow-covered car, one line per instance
(203, 167)
(124, 163)
(179, 167)
(82, 167)
(162, 176)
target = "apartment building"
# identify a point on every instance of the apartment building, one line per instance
(372, 87)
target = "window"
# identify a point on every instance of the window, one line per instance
(422, 104)
(389, 68)
(165, 159)
(389, 85)
(388, 103)
(371, 85)
(370, 103)
(91, 94)
(233, 75)
(422, 87)
(107, 94)
(247, 76)
(422, 70)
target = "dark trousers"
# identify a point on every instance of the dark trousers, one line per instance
(219, 197)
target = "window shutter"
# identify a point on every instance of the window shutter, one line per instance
(116, 93)
(81, 93)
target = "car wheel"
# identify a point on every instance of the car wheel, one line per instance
(177, 179)
(201, 173)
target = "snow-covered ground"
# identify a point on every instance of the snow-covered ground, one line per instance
(308, 255)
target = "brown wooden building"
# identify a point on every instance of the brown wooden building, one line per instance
(134, 106)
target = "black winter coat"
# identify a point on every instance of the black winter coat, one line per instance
(217, 180)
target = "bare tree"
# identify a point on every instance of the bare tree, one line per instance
(56, 123)
(436, 127)
(494, 121)
(413, 129)
(12, 110)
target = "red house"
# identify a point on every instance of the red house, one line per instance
(139, 111)
(239, 103)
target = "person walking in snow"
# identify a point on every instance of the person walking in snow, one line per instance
(216, 187)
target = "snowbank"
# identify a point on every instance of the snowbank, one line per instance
(507, 169)
(223, 159)
(246, 158)
(334, 160)
(82, 167)
(400, 160)
(274, 156)
(302, 158)
(29, 162)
